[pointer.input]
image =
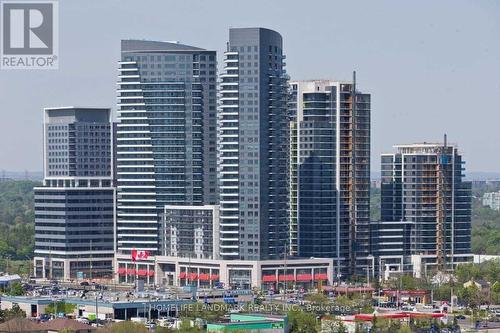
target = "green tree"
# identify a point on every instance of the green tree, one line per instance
(317, 298)
(343, 300)
(15, 289)
(60, 307)
(488, 270)
(163, 330)
(485, 224)
(332, 325)
(442, 292)
(16, 222)
(14, 312)
(472, 296)
(375, 204)
(404, 329)
(408, 282)
(495, 292)
(467, 272)
(302, 322)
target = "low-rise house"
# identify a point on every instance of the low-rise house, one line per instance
(21, 325)
(480, 284)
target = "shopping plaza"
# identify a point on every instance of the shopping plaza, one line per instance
(209, 273)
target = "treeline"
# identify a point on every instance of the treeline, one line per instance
(485, 222)
(17, 219)
(375, 204)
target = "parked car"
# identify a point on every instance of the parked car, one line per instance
(83, 320)
(84, 284)
(44, 317)
(150, 325)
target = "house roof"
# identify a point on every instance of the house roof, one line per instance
(22, 325)
(10, 278)
(483, 283)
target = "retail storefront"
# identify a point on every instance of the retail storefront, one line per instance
(234, 274)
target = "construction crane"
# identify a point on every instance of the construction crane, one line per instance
(352, 209)
(442, 163)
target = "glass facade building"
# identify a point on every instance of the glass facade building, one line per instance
(253, 146)
(74, 209)
(190, 232)
(330, 173)
(165, 137)
(423, 184)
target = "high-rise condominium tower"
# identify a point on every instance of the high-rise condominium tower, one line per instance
(422, 184)
(74, 209)
(253, 146)
(166, 136)
(330, 173)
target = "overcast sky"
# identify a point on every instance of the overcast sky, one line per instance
(431, 66)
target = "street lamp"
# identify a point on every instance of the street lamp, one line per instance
(7, 258)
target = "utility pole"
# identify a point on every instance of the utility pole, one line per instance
(154, 269)
(29, 267)
(399, 291)
(149, 308)
(96, 310)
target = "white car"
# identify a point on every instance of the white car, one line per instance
(150, 325)
(83, 320)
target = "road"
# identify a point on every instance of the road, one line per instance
(492, 326)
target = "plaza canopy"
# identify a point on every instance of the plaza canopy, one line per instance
(304, 277)
(269, 278)
(288, 277)
(405, 292)
(397, 315)
(6, 279)
(348, 290)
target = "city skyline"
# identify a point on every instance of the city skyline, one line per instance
(292, 163)
(275, 166)
(382, 64)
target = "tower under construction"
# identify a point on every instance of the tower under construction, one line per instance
(423, 186)
(330, 173)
